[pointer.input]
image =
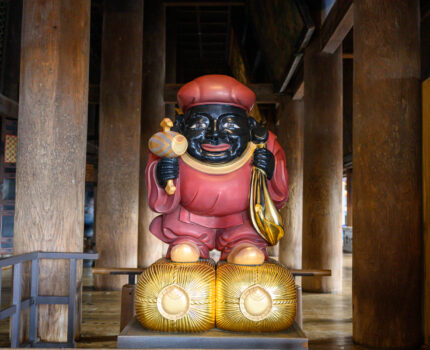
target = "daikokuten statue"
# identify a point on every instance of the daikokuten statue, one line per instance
(210, 208)
(223, 193)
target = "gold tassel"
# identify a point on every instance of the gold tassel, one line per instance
(265, 217)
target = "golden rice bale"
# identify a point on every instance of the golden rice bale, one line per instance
(177, 297)
(255, 298)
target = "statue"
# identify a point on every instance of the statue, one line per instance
(218, 179)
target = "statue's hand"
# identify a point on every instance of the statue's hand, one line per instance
(264, 160)
(167, 169)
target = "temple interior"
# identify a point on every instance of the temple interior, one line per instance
(344, 85)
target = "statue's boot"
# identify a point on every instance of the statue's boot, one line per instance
(246, 254)
(259, 297)
(177, 296)
(185, 252)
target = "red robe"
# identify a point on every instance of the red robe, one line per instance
(212, 210)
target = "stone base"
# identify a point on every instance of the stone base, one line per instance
(135, 336)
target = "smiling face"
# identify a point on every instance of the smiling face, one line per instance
(216, 133)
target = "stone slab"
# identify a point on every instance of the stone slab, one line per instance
(134, 336)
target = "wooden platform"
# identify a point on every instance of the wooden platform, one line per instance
(135, 336)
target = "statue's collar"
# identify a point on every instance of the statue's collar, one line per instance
(219, 169)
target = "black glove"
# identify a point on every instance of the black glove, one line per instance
(167, 169)
(264, 160)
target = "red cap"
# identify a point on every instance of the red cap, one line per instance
(215, 89)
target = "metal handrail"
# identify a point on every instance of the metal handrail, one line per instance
(14, 311)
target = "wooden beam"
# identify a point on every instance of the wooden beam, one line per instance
(117, 270)
(300, 92)
(8, 107)
(337, 25)
(265, 93)
(129, 270)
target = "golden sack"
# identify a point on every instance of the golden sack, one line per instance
(177, 297)
(255, 298)
(265, 217)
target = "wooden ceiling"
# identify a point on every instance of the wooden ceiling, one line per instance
(201, 36)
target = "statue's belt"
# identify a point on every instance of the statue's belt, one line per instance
(215, 222)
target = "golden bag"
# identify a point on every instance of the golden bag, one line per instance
(255, 298)
(177, 297)
(265, 217)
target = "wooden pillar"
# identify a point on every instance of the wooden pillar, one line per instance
(290, 136)
(118, 173)
(171, 57)
(10, 75)
(154, 68)
(387, 174)
(52, 129)
(322, 168)
(128, 294)
(349, 206)
(426, 209)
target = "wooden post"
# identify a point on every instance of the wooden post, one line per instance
(347, 132)
(118, 174)
(127, 305)
(171, 57)
(290, 136)
(349, 206)
(154, 68)
(387, 175)
(299, 312)
(426, 209)
(322, 168)
(10, 75)
(52, 128)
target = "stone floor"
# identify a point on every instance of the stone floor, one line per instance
(327, 317)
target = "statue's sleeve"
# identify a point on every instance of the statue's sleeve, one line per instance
(278, 184)
(158, 200)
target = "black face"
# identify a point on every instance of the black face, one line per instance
(216, 133)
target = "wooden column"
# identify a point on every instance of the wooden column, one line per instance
(154, 68)
(171, 58)
(387, 174)
(426, 208)
(290, 136)
(10, 75)
(349, 206)
(118, 173)
(52, 129)
(322, 168)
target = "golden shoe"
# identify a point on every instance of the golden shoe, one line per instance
(185, 252)
(177, 297)
(246, 254)
(255, 298)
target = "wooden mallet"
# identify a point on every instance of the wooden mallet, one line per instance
(168, 144)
